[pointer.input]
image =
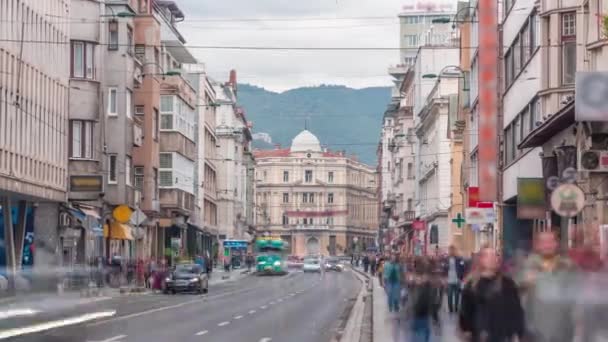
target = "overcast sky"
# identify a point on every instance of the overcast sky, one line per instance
(281, 70)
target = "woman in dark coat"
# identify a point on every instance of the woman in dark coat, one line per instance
(491, 310)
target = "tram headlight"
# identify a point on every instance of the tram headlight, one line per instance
(277, 263)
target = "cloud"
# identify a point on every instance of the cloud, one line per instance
(285, 23)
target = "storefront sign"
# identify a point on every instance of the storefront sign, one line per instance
(477, 216)
(86, 183)
(235, 244)
(567, 200)
(531, 198)
(418, 225)
(488, 99)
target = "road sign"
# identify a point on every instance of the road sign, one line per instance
(138, 217)
(122, 213)
(458, 220)
(568, 200)
(591, 96)
(478, 216)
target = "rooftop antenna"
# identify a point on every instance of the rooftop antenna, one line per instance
(306, 123)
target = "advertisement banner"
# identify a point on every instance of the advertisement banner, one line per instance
(591, 91)
(531, 202)
(480, 215)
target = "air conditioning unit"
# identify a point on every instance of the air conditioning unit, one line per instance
(593, 161)
(138, 136)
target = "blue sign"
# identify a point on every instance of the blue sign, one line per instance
(236, 244)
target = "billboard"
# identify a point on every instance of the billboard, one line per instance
(531, 202)
(488, 100)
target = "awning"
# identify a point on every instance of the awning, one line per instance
(90, 212)
(547, 130)
(77, 214)
(119, 231)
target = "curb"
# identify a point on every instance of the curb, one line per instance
(355, 314)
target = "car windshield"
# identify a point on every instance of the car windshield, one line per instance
(186, 269)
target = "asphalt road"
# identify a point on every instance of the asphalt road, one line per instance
(297, 307)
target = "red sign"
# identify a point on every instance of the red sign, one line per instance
(418, 225)
(473, 196)
(488, 99)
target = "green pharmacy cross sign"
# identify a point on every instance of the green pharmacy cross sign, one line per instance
(459, 220)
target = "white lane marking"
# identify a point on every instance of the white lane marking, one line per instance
(113, 339)
(54, 324)
(263, 307)
(17, 312)
(201, 333)
(266, 339)
(251, 312)
(238, 317)
(223, 324)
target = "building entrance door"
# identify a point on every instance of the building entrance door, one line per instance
(312, 246)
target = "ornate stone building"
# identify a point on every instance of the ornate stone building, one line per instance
(321, 202)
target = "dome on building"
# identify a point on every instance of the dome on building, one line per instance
(304, 142)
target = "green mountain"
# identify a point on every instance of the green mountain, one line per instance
(342, 118)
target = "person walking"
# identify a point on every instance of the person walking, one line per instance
(366, 263)
(381, 271)
(422, 302)
(453, 271)
(491, 310)
(392, 283)
(548, 282)
(373, 264)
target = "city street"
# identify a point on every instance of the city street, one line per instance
(296, 307)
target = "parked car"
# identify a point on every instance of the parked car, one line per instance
(187, 278)
(294, 261)
(333, 265)
(312, 265)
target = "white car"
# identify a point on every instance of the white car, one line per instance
(312, 265)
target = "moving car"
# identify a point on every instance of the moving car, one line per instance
(187, 278)
(312, 265)
(294, 261)
(333, 265)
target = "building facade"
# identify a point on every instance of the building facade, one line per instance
(320, 202)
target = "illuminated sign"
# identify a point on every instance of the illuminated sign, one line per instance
(86, 183)
(488, 100)
(235, 244)
(430, 6)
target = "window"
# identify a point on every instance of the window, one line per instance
(330, 198)
(508, 4)
(526, 47)
(285, 197)
(113, 35)
(330, 177)
(285, 220)
(568, 40)
(569, 24)
(81, 142)
(409, 204)
(330, 220)
(140, 52)
(410, 171)
(310, 220)
(128, 166)
(155, 125)
(166, 160)
(411, 20)
(112, 107)
(305, 220)
(509, 76)
(130, 40)
(311, 197)
(305, 197)
(285, 176)
(83, 57)
(112, 164)
(139, 177)
(166, 111)
(308, 176)
(409, 60)
(155, 176)
(166, 178)
(129, 103)
(139, 110)
(517, 64)
(411, 40)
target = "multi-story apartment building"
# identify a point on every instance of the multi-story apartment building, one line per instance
(234, 178)
(320, 202)
(34, 91)
(421, 24)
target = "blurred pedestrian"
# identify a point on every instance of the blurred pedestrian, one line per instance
(491, 310)
(366, 263)
(392, 283)
(592, 304)
(381, 271)
(548, 283)
(373, 263)
(422, 301)
(453, 271)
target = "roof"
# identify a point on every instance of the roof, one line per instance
(281, 152)
(555, 124)
(305, 141)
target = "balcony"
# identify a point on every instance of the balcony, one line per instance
(177, 85)
(177, 200)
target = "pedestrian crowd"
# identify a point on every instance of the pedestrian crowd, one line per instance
(545, 296)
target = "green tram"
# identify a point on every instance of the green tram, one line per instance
(271, 256)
